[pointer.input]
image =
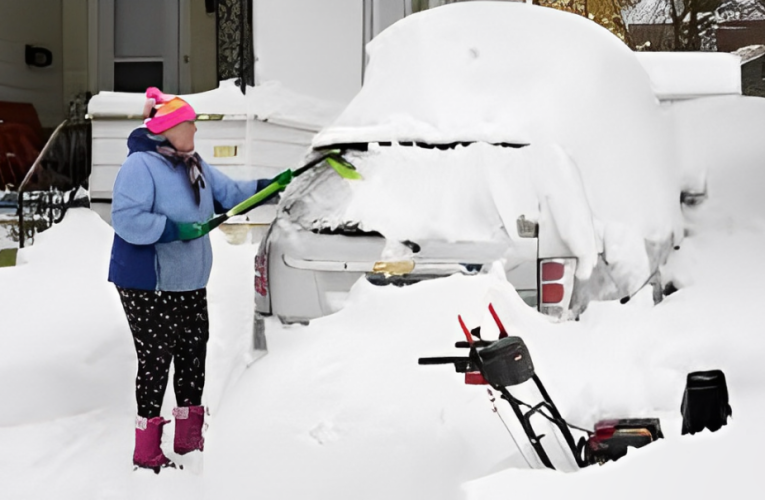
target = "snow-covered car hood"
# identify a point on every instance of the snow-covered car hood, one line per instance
(472, 193)
(411, 192)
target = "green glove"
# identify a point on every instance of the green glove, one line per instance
(192, 230)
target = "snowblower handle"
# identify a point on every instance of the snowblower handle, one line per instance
(461, 363)
(461, 344)
(444, 360)
(502, 331)
(468, 335)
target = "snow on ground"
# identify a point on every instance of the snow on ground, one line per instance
(340, 408)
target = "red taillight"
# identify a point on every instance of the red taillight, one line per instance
(552, 271)
(475, 378)
(556, 285)
(552, 293)
(605, 429)
(261, 274)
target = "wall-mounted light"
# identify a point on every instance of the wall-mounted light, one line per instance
(38, 57)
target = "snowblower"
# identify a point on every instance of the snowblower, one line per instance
(505, 363)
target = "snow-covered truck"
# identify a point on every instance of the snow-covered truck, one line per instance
(490, 132)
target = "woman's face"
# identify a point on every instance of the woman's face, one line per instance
(182, 136)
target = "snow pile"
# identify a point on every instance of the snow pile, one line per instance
(486, 71)
(750, 53)
(340, 409)
(67, 363)
(515, 73)
(425, 193)
(270, 101)
(471, 193)
(718, 133)
(684, 75)
(42, 314)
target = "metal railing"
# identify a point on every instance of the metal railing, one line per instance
(52, 184)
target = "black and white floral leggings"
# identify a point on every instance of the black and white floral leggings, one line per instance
(167, 326)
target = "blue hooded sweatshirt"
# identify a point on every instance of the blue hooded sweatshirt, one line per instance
(148, 191)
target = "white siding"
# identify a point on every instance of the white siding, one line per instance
(38, 23)
(263, 149)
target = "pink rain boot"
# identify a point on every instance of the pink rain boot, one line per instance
(148, 435)
(188, 429)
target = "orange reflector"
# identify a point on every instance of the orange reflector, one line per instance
(394, 268)
(552, 293)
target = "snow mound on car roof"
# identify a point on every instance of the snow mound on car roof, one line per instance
(502, 72)
(487, 71)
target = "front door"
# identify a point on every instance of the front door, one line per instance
(139, 45)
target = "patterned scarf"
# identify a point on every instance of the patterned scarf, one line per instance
(193, 164)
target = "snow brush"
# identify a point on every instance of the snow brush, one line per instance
(334, 159)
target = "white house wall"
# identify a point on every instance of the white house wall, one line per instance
(38, 23)
(312, 47)
(270, 149)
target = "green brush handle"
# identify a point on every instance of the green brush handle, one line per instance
(333, 158)
(253, 200)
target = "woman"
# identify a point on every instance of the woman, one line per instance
(160, 264)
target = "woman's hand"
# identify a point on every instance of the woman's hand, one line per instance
(183, 231)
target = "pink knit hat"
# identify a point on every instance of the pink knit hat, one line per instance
(164, 111)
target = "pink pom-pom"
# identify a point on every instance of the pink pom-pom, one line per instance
(157, 95)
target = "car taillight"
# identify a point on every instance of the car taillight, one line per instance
(552, 271)
(556, 285)
(261, 273)
(552, 293)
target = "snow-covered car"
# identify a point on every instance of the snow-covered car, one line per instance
(487, 134)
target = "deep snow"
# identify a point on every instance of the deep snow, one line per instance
(340, 409)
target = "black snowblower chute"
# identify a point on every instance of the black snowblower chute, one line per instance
(506, 362)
